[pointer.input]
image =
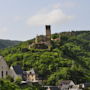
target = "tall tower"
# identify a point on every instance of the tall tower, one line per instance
(48, 36)
(48, 32)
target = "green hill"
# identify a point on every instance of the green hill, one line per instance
(68, 58)
(7, 43)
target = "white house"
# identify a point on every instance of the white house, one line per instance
(66, 84)
(31, 76)
(16, 72)
(4, 68)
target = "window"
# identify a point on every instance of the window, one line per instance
(6, 73)
(2, 74)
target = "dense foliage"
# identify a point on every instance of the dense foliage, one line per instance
(8, 85)
(68, 59)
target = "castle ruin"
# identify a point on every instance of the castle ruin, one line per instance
(43, 42)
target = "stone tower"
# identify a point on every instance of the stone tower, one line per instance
(48, 32)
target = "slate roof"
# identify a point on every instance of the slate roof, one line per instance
(54, 88)
(66, 81)
(18, 70)
(87, 84)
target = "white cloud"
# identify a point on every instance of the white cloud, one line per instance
(55, 16)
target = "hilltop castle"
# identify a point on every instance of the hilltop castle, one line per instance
(43, 42)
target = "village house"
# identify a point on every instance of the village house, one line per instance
(66, 84)
(4, 68)
(31, 76)
(69, 85)
(16, 72)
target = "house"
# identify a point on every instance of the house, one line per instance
(76, 87)
(16, 72)
(31, 76)
(4, 68)
(69, 85)
(66, 84)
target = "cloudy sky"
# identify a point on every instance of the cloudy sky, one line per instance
(24, 19)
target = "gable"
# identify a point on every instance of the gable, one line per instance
(3, 63)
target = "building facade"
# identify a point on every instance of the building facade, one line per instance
(16, 72)
(4, 68)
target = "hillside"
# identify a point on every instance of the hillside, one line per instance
(7, 43)
(68, 58)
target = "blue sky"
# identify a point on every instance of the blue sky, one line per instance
(24, 19)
